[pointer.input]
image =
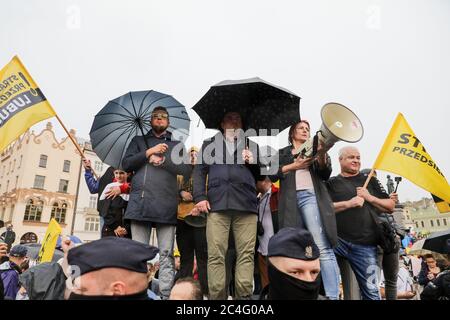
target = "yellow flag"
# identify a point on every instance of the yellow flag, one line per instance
(404, 154)
(22, 103)
(441, 205)
(49, 243)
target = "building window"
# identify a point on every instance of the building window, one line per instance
(43, 161)
(432, 223)
(423, 225)
(92, 224)
(445, 222)
(9, 167)
(39, 182)
(93, 202)
(17, 182)
(33, 210)
(417, 225)
(66, 167)
(438, 222)
(20, 162)
(59, 212)
(98, 166)
(14, 165)
(63, 185)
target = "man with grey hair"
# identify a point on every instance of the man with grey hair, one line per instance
(355, 224)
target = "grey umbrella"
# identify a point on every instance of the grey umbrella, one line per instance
(128, 116)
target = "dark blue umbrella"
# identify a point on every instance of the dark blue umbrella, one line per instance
(128, 116)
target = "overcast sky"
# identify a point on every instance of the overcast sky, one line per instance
(376, 57)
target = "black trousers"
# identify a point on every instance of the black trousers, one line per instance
(190, 241)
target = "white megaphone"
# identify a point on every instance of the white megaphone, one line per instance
(338, 123)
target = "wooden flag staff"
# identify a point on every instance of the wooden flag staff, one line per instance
(74, 142)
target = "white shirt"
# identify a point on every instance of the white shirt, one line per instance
(111, 185)
(404, 281)
(265, 215)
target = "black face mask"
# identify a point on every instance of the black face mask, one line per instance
(285, 287)
(137, 296)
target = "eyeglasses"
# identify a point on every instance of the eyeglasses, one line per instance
(160, 115)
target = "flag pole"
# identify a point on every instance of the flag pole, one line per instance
(74, 142)
(368, 178)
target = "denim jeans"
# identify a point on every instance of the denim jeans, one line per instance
(310, 214)
(165, 233)
(363, 260)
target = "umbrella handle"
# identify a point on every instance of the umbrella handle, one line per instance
(142, 131)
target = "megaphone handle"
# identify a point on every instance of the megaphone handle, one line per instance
(315, 143)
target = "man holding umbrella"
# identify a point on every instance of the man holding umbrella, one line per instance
(231, 202)
(153, 197)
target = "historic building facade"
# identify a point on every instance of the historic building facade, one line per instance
(41, 177)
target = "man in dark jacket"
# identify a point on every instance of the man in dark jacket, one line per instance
(231, 201)
(154, 194)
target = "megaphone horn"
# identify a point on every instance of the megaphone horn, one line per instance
(338, 123)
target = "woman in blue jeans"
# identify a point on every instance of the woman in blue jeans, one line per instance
(305, 202)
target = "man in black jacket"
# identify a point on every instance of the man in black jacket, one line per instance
(230, 199)
(155, 161)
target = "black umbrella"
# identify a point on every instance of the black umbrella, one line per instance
(128, 116)
(438, 242)
(261, 104)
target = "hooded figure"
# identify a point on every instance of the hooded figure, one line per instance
(45, 281)
(293, 266)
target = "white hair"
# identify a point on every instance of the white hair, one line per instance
(343, 151)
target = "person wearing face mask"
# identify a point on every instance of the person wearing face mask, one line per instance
(294, 266)
(111, 268)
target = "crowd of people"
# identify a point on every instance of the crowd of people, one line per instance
(299, 233)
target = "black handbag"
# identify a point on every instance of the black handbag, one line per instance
(386, 235)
